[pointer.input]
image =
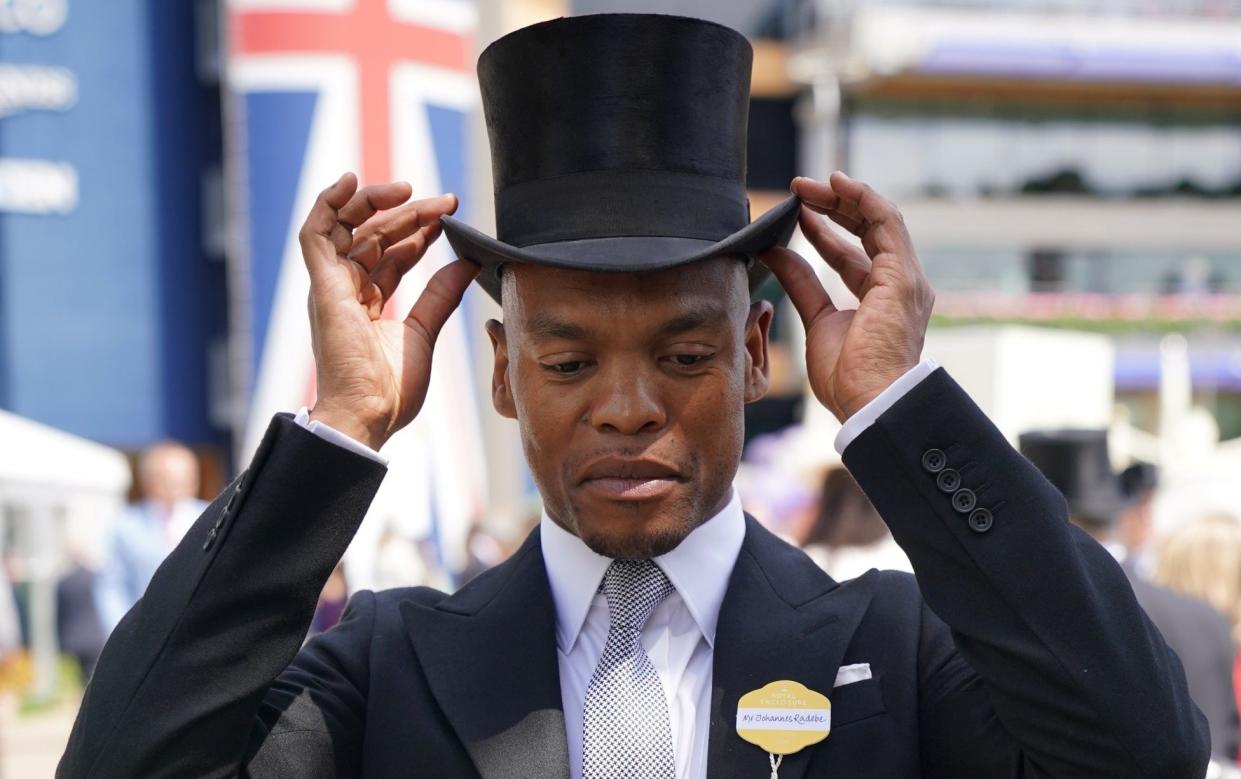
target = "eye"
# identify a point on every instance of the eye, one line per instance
(567, 368)
(690, 360)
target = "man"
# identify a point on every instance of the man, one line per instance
(619, 639)
(1101, 502)
(148, 530)
(1136, 526)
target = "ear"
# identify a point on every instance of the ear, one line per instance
(757, 369)
(501, 393)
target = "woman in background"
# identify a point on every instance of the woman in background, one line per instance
(1203, 559)
(848, 537)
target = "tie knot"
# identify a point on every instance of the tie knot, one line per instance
(633, 589)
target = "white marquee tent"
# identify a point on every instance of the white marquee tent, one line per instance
(54, 488)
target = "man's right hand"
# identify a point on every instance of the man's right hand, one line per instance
(373, 373)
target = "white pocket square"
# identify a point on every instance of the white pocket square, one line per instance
(848, 674)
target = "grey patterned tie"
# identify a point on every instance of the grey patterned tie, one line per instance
(625, 729)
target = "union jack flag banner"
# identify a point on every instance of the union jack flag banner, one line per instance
(384, 88)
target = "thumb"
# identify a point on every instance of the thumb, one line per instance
(800, 282)
(440, 298)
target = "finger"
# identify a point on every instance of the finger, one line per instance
(440, 298)
(821, 198)
(871, 206)
(800, 282)
(816, 194)
(377, 235)
(847, 209)
(322, 222)
(885, 236)
(341, 237)
(367, 200)
(400, 258)
(856, 226)
(847, 260)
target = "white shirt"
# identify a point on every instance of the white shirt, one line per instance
(679, 637)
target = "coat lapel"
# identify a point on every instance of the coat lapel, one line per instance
(782, 618)
(489, 654)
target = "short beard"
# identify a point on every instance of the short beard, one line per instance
(643, 547)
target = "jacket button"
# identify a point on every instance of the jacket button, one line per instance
(934, 461)
(210, 539)
(964, 500)
(232, 499)
(981, 520)
(948, 481)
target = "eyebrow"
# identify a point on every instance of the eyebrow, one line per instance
(696, 317)
(546, 327)
(543, 326)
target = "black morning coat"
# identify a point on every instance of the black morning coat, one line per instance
(1018, 651)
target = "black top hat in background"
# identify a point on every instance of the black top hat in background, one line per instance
(618, 143)
(1076, 462)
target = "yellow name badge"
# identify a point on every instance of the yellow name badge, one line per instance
(784, 717)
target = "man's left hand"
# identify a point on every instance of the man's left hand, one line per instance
(853, 355)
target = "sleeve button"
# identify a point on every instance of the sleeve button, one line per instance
(948, 480)
(964, 500)
(981, 520)
(211, 536)
(934, 460)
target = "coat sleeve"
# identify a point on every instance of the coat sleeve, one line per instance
(1036, 659)
(180, 684)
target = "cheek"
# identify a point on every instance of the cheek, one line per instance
(547, 420)
(713, 424)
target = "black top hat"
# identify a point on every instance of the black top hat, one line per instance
(618, 143)
(1076, 462)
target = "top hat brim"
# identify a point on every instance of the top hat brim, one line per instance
(624, 253)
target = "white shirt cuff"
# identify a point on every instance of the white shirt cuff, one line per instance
(857, 424)
(332, 435)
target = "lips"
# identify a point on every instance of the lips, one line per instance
(629, 479)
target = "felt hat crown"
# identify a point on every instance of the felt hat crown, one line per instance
(1076, 462)
(618, 143)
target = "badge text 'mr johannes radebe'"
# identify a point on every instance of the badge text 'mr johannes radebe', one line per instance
(791, 718)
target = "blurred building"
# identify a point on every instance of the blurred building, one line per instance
(1073, 163)
(112, 280)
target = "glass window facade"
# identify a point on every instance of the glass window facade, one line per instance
(1006, 269)
(978, 151)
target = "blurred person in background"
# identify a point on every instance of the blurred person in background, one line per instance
(331, 602)
(1202, 559)
(79, 630)
(482, 551)
(407, 562)
(1078, 464)
(1135, 530)
(848, 537)
(144, 534)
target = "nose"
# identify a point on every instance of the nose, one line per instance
(629, 401)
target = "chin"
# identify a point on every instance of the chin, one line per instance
(631, 531)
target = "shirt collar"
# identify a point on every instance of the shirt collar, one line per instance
(699, 568)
